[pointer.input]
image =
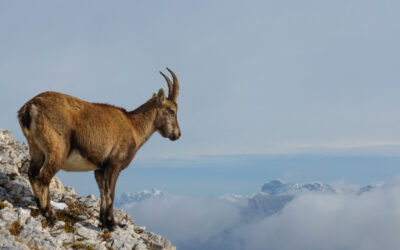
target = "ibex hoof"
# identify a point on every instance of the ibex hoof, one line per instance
(51, 218)
(110, 225)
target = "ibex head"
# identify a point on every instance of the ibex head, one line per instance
(166, 121)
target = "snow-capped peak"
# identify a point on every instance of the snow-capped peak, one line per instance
(277, 187)
(134, 197)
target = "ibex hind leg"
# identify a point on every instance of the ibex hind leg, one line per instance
(56, 152)
(35, 164)
(33, 174)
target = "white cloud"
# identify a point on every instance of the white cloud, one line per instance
(309, 221)
(185, 219)
(313, 221)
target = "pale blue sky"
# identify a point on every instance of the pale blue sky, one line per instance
(257, 77)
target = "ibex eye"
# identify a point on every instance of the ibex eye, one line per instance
(171, 112)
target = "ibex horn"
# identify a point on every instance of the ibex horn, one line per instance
(170, 85)
(175, 90)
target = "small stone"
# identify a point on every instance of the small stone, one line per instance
(141, 246)
(61, 235)
(23, 214)
(56, 185)
(140, 229)
(69, 190)
(8, 215)
(91, 196)
(86, 231)
(32, 224)
(58, 205)
(59, 224)
(8, 204)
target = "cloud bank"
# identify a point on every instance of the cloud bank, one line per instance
(186, 220)
(369, 221)
(310, 221)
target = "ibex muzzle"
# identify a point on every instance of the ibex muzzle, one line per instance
(64, 132)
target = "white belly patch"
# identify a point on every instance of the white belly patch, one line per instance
(76, 163)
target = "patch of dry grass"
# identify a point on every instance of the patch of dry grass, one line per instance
(44, 222)
(35, 212)
(77, 245)
(70, 216)
(106, 236)
(14, 228)
(3, 204)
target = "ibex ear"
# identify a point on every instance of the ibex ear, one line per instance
(161, 96)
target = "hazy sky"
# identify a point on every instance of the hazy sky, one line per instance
(318, 79)
(256, 76)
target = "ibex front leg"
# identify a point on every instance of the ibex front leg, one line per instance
(99, 175)
(111, 174)
(106, 180)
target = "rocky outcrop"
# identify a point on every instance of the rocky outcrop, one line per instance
(22, 226)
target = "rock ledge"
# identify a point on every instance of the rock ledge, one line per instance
(22, 226)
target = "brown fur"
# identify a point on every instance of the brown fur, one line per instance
(64, 132)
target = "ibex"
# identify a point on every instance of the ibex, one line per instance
(64, 132)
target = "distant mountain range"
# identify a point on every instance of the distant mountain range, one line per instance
(136, 197)
(277, 187)
(274, 195)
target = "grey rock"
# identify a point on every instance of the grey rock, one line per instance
(140, 229)
(20, 187)
(59, 225)
(8, 215)
(32, 224)
(8, 241)
(69, 190)
(56, 185)
(86, 231)
(3, 193)
(9, 168)
(122, 240)
(61, 235)
(101, 246)
(142, 246)
(34, 234)
(3, 179)
(91, 197)
(155, 241)
(23, 215)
